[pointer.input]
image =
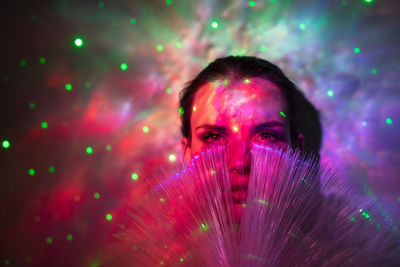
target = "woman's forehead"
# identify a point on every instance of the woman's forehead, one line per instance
(250, 99)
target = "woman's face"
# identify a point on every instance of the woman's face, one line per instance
(237, 113)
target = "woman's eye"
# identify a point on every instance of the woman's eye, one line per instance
(270, 137)
(212, 137)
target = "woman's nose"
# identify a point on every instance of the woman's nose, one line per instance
(239, 157)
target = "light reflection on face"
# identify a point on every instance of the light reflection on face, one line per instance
(237, 113)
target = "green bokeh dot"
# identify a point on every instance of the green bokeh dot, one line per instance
(124, 66)
(89, 150)
(42, 60)
(31, 172)
(214, 25)
(70, 237)
(44, 125)
(68, 87)
(52, 169)
(49, 240)
(23, 62)
(5, 144)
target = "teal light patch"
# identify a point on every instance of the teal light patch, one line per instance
(263, 48)
(330, 93)
(389, 121)
(374, 71)
(5, 144)
(252, 3)
(31, 172)
(283, 114)
(357, 50)
(124, 66)
(302, 26)
(42, 60)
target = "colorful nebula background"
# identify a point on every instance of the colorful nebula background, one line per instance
(82, 127)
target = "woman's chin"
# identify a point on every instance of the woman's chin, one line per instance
(238, 209)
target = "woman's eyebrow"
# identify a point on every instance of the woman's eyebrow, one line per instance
(267, 125)
(222, 129)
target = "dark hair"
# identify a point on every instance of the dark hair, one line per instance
(303, 116)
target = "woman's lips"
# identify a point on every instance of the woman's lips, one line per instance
(239, 196)
(239, 184)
